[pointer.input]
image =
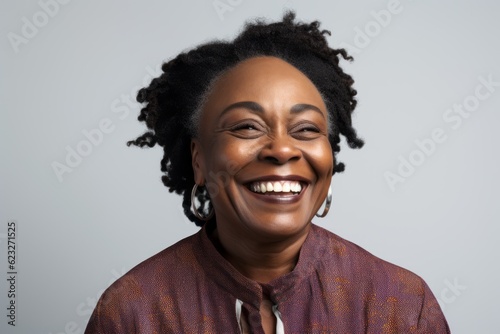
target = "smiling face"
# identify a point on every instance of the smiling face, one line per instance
(262, 150)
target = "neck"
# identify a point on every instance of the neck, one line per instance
(260, 260)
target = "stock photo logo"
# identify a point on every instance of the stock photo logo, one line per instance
(84, 309)
(93, 138)
(381, 19)
(453, 117)
(221, 7)
(31, 27)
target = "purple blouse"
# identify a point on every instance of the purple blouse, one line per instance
(336, 287)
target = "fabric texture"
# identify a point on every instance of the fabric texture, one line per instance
(336, 287)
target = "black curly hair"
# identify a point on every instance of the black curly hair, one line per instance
(173, 100)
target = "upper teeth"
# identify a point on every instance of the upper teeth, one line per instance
(276, 186)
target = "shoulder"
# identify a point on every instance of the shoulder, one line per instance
(136, 292)
(179, 256)
(397, 295)
(348, 257)
(366, 275)
(167, 265)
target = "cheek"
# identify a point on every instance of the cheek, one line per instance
(320, 157)
(226, 158)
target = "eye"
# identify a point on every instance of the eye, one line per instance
(247, 130)
(305, 131)
(309, 128)
(245, 127)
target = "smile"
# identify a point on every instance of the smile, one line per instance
(271, 187)
(278, 189)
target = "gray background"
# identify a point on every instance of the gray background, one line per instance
(78, 234)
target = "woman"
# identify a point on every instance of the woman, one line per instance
(250, 131)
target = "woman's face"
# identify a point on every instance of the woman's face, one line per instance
(262, 150)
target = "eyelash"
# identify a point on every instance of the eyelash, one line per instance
(301, 131)
(244, 126)
(308, 128)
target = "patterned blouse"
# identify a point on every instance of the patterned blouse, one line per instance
(335, 287)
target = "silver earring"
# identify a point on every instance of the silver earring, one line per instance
(328, 202)
(195, 210)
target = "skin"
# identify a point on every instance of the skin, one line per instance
(273, 136)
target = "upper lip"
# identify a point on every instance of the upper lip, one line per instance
(279, 178)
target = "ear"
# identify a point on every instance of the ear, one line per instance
(197, 161)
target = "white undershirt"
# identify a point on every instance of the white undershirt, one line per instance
(280, 329)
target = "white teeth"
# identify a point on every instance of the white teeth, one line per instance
(269, 186)
(276, 186)
(286, 187)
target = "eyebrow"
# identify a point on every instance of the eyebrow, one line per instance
(257, 108)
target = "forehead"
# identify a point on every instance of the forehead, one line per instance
(264, 80)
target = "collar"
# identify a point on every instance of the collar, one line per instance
(222, 273)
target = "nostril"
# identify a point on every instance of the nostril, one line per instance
(272, 159)
(280, 153)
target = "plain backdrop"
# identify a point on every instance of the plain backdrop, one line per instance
(69, 68)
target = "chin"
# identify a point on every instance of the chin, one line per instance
(279, 226)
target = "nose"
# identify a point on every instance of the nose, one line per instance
(280, 149)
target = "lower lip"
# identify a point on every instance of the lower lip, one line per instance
(278, 198)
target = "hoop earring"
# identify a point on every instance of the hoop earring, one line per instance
(195, 210)
(328, 202)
